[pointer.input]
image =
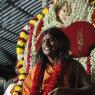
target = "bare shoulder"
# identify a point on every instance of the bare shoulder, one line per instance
(76, 66)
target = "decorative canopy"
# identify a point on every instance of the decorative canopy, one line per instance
(82, 38)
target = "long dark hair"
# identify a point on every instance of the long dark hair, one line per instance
(62, 39)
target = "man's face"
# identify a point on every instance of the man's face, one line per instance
(50, 45)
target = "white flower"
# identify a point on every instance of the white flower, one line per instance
(80, 11)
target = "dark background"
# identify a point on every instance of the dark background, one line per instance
(14, 15)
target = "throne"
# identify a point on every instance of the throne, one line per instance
(82, 39)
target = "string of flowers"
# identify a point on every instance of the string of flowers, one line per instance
(26, 36)
(89, 64)
(92, 57)
(36, 32)
(29, 47)
(32, 40)
(19, 50)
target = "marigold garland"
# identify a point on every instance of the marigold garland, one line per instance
(24, 36)
(19, 50)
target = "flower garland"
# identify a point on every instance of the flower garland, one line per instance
(56, 80)
(19, 50)
(37, 30)
(89, 64)
(80, 11)
(27, 55)
(25, 38)
(29, 48)
(92, 56)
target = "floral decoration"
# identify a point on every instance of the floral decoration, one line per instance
(26, 44)
(89, 64)
(80, 11)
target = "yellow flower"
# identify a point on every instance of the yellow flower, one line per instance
(22, 77)
(19, 50)
(22, 70)
(20, 62)
(23, 35)
(45, 11)
(33, 22)
(21, 43)
(39, 16)
(18, 88)
(15, 93)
